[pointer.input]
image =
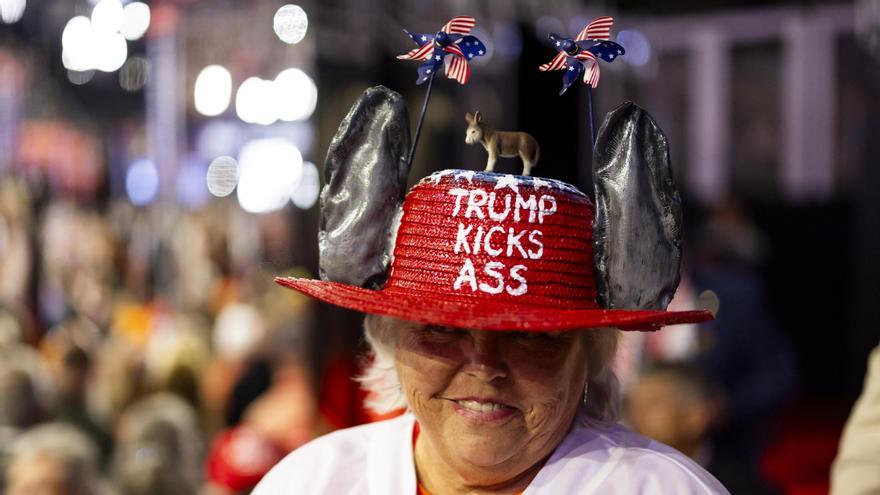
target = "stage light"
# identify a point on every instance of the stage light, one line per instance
(142, 182)
(291, 23)
(213, 90)
(270, 169)
(135, 20)
(296, 95)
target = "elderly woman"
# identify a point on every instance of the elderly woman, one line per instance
(488, 329)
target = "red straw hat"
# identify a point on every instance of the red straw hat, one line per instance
(490, 251)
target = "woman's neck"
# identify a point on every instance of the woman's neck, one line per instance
(438, 477)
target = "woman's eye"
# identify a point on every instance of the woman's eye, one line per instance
(539, 335)
(440, 330)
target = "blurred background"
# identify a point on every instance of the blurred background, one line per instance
(160, 163)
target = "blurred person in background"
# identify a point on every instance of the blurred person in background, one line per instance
(675, 404)
(279, 419)
(239, 370)
(159, 448)
(856, 470)
(54, 459)
(743, 350)
(68, 351)
(15, 241)
(26, 393)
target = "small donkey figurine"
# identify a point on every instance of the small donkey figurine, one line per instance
(502, 143)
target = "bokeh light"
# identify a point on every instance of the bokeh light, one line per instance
(86, 47)
(110, 51)
(256, 101)
(80, 77)
(135, 20)
(508, 41)
(192, 190)
(291, 23)
(134, 74)
(637, 46)
(213, 90)
(77, 43)
(305, 192)
(11, 11)
(270, 168)
(222, 176)
(107, 16)
(296, 93)
(142, 182)
(546, 25)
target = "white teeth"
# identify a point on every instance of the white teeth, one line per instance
(483, 407)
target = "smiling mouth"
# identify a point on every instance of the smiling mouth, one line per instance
(482, 406)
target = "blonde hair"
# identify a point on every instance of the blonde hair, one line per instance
(600, 407)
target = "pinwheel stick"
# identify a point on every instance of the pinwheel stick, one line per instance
(590, 116)
(415, 143)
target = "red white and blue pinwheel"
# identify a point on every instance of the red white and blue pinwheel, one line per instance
(582, 54)
(455, 41)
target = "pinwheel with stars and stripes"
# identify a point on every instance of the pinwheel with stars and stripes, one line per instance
(582, 54)
(454, 41)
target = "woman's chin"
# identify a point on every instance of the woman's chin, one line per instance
(484, 448)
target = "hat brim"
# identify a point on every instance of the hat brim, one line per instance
(479, 314)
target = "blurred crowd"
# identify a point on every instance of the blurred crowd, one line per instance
(147, 351)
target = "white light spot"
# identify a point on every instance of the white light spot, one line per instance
(142, 182)
(213, 90)
(291, 24)
(135, 20)
(78, 45)
(296, 95)
(306, 192)
(222, 176)
(107, 17)
(255, 101)
(270, 168)
(11, 11)
(111, 51)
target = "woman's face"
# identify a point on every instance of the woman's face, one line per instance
(496, 401)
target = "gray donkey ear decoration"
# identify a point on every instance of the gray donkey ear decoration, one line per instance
(637, 225)
(366, 173)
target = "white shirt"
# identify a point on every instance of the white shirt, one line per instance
(377, 459)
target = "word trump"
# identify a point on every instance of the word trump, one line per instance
(521, 241)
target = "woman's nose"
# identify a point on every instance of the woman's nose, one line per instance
(486, 359)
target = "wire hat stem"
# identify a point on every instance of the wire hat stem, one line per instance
(415, 143)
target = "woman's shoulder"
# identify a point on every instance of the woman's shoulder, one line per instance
(614, 459)
(335, 462)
